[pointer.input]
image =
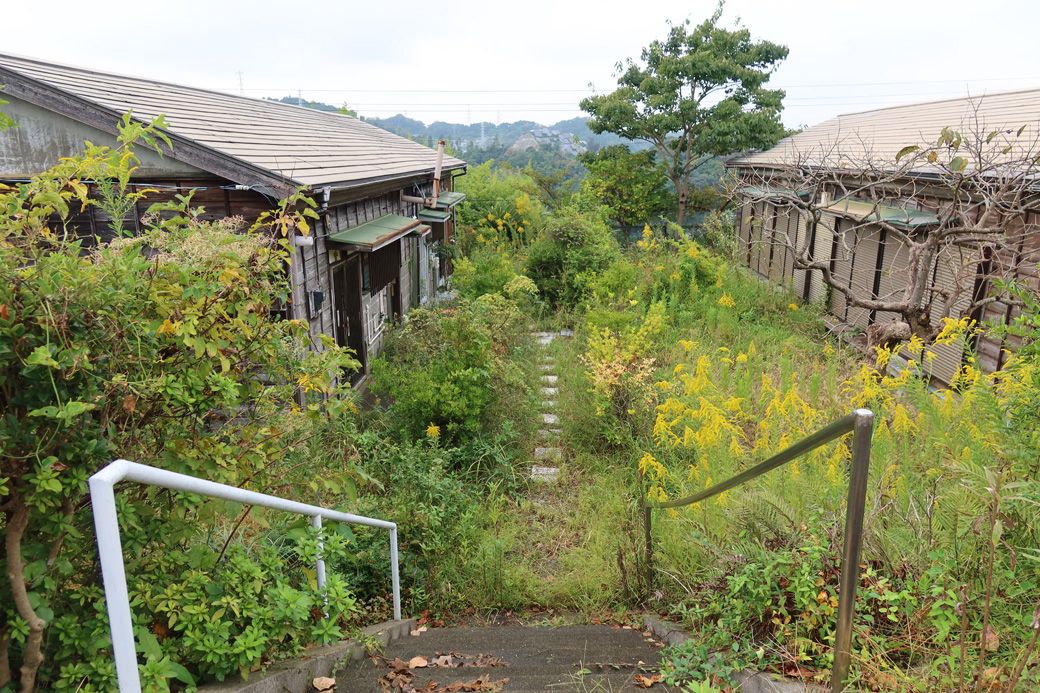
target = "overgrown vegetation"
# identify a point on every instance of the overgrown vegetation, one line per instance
(692, 370)
(683, 371)
(158, 348)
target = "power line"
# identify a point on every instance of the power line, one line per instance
(588, 90)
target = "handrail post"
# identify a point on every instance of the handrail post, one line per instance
(110, 552)
(857, 503)
(394, 573)
(113, 575)
(319, 564)
(649, 539)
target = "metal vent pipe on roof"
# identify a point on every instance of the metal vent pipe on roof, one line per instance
(437, 173)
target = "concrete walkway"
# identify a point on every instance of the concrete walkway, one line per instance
(509, 658)
(548, 455)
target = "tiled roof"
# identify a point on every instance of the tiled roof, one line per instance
(880, 134)
(299, 145)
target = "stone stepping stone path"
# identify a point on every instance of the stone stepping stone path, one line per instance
(548, 455)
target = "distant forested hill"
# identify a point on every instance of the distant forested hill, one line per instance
(548, 149)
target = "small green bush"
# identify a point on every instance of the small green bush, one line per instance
(576, 245)
(447, 371)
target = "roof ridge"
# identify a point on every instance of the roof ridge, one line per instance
(969, 97)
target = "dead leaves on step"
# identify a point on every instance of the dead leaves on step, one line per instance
(644, 681)
(401, 675)
(324, 684)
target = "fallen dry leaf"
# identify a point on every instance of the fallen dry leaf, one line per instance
(419, 631)
(646, 681)
(397, 680)
(990, 639)
(323, 684)
(418, 662)
(481, 683)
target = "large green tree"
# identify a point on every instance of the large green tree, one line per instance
(697, 94)
(632, 184)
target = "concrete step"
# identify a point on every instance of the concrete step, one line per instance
(549, 380)
(543, 474)
(548, 453)
(549, 433)
(548, 405)
(550, 419)
(535, 658)
(549, 391)
(548, 367)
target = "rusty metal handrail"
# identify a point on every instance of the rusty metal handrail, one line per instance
(860, 423)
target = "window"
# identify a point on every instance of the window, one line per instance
(377, 313)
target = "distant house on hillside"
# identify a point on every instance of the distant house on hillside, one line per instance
(548, 139)
(373, 255)
(869, 205)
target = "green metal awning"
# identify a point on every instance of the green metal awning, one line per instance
(889, 213)
(434, 215)
(762, 192)
(447, 200)
(375, 234)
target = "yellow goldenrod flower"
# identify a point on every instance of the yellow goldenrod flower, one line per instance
(792, 306)
(726, 301)
(433, 431)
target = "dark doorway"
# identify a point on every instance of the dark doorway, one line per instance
(346, 284)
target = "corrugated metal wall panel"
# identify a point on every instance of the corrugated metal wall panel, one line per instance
(821, 251)
(867, 244)
(777, 249)
(744, 231)
(894, 269)
(841, 269)
(758, 231)
(800, 236)
(787, 237)
(949, 357)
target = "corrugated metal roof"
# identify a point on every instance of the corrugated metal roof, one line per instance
(449, 199)
(375, 234)
(767, 192)
(301, 145)
(878, 135)
(891, 213)
(437, 215)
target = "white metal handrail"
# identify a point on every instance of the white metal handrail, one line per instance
(110, 550)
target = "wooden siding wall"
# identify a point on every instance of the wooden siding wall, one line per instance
(875, 264)
(316, 260)
(216, 197)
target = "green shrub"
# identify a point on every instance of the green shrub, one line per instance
(502, 208)
(485, 271)
(575, 246)
(448, 373)
(150, 349)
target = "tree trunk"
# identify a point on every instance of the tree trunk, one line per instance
(5, 661)
(682, 189)
(32, 656)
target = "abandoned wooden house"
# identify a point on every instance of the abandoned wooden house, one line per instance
(848, 170)
(386, 211)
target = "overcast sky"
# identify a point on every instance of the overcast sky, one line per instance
(468, 61)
